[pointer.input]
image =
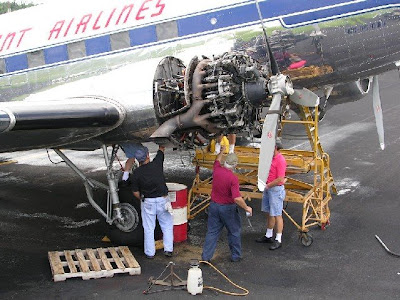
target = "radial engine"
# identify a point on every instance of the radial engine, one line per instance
(221, 95)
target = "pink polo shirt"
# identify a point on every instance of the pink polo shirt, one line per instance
(225, 185)
(278, 168)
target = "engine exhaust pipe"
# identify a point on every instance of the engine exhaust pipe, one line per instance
(192, 117)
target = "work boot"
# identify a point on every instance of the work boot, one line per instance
(264, 239)
(275, 245)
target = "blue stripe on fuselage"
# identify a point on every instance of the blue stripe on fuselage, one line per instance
(291, 13)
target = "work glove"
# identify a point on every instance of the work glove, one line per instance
(125, 176)
(168, 207)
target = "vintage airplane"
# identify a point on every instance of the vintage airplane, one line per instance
(92, 74)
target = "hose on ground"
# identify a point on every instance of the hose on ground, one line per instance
(245, 291)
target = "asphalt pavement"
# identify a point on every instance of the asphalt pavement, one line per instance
(43, 208)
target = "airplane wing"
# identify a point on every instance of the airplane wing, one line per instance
(46, 124)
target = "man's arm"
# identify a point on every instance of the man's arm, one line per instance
(220, 154)
(275, 182)
(240, 201)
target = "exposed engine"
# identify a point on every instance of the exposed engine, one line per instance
(224, 94)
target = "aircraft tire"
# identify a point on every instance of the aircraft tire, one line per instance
(135, 237)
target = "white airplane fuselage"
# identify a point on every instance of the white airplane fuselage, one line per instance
(110, 51)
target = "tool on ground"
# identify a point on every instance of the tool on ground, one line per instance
(172, 281)
(386, 248)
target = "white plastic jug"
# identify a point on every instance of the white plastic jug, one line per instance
(195, 279)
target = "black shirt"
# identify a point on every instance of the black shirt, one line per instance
(149, 179)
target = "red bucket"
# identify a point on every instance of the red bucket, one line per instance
(177, 193)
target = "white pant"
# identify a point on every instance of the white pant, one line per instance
(153, 208)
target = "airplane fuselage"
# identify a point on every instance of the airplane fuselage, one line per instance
(113, 51)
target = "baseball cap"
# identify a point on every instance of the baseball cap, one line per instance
(231, 159)
(141, 154)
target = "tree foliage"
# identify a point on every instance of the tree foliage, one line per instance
(12, 5)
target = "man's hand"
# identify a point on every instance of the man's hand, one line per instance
(137, 195)
(249, 210)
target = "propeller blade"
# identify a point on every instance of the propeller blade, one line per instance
(268, 137)
(274, 69)
(305, 97)
(378, 112)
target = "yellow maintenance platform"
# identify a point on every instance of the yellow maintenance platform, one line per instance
(309, 178)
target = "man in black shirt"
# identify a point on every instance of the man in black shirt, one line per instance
(148, 183)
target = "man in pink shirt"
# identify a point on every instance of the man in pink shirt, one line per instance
(272, 201)
(223, 210)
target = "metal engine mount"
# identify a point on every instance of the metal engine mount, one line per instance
(224, 94)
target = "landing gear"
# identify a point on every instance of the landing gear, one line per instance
(129, 218)
(128, 230)
(120, 208)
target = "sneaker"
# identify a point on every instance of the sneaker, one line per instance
(168, 253)
(264, 239)
(149, 256)
(275, 245)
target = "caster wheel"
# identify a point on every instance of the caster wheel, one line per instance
(306, 239)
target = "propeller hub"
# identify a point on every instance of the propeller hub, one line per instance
(280, 84)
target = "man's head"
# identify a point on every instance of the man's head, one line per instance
(278, 144)
(231, 161)
(141, 154)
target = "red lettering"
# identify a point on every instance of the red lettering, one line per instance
(109, 18)
(69, 26)
(10, 35)
(56, 29)
(141, 9)
(95, 26)
(84, 21)
(130, 7)
(23, 31)
(161, 7)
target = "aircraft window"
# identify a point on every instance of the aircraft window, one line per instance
(120, 40)
(2, 66)
(56, 54)
(35, 59)
(167, 30)
(76, 50)
(16, 63)
(143, 35)
(98, 45)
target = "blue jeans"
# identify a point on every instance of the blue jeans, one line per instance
(218, 217)
(153, 208)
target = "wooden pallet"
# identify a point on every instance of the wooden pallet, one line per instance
(92, 263)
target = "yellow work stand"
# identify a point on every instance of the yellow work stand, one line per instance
(309, 178)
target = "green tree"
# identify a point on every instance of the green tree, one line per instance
(4, 6)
